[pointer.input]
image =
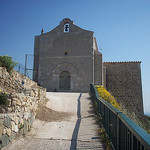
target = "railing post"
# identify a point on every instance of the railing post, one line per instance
(132, 141)
(25, 65)
(19, 68)
(118, 130)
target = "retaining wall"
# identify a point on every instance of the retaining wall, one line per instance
(24, 95)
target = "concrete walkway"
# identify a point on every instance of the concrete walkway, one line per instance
(76, 132)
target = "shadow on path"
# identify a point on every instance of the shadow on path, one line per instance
(76, 129)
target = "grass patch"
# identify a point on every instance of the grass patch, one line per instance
(3, 99)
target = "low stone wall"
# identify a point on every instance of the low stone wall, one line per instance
(24, 95)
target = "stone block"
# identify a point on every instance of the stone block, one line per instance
(21, 121)
(18, 108)
(23, 104)
(14, 102)
(9, 109)
(18, 102)
(5, 140)
(1, 127)
(25, 126)
(31, 118)
(7, 122)
(25, 98)
(16, 120)
(26, 115)
(32, 94)
(4, 131)
(14, 127)
(12, 137)
(8, 131)
(2, 110)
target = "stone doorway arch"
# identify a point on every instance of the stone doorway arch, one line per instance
(64, 81)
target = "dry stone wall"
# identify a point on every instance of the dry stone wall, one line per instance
(24, 95)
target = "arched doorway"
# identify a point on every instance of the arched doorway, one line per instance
(64, 80)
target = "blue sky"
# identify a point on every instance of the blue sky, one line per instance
(121, 27)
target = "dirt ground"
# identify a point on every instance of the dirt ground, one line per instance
(48, 115)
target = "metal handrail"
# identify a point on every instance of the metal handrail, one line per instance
(122, 131)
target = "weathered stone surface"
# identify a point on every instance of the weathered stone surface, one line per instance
(4, 131)
(12, 137)
(9, 109)
(8, 131)
(25, 98)
(14, 102)
(1, 72)
(21, 121)
(9, 102)
(16, 120)
(1, 127)
(25, 126)
(18, 102)
(124, 83)
(5, 140)
(32, 93)
(2, 110)
(31, 117)
(26, 115)
(23, 103)
(14, 127)
(7, 122)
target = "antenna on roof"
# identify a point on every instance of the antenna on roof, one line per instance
(100, 48)
(42, 31)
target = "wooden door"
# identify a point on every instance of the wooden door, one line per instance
(64, 81)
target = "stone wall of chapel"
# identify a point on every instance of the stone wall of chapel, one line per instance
(97, 68)
(36, 58)
(123, 81)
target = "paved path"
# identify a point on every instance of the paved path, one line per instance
(77, 132)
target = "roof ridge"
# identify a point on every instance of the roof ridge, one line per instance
(123, 62)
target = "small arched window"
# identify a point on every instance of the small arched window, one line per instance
(66, 27)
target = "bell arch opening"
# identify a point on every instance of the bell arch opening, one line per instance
(64, 81)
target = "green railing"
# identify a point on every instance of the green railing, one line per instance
(122, 131)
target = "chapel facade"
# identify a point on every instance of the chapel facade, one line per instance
(67, 59)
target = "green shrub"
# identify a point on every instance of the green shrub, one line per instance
(7, 62)
(3, 99)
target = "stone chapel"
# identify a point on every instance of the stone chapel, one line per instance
(67, 59)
